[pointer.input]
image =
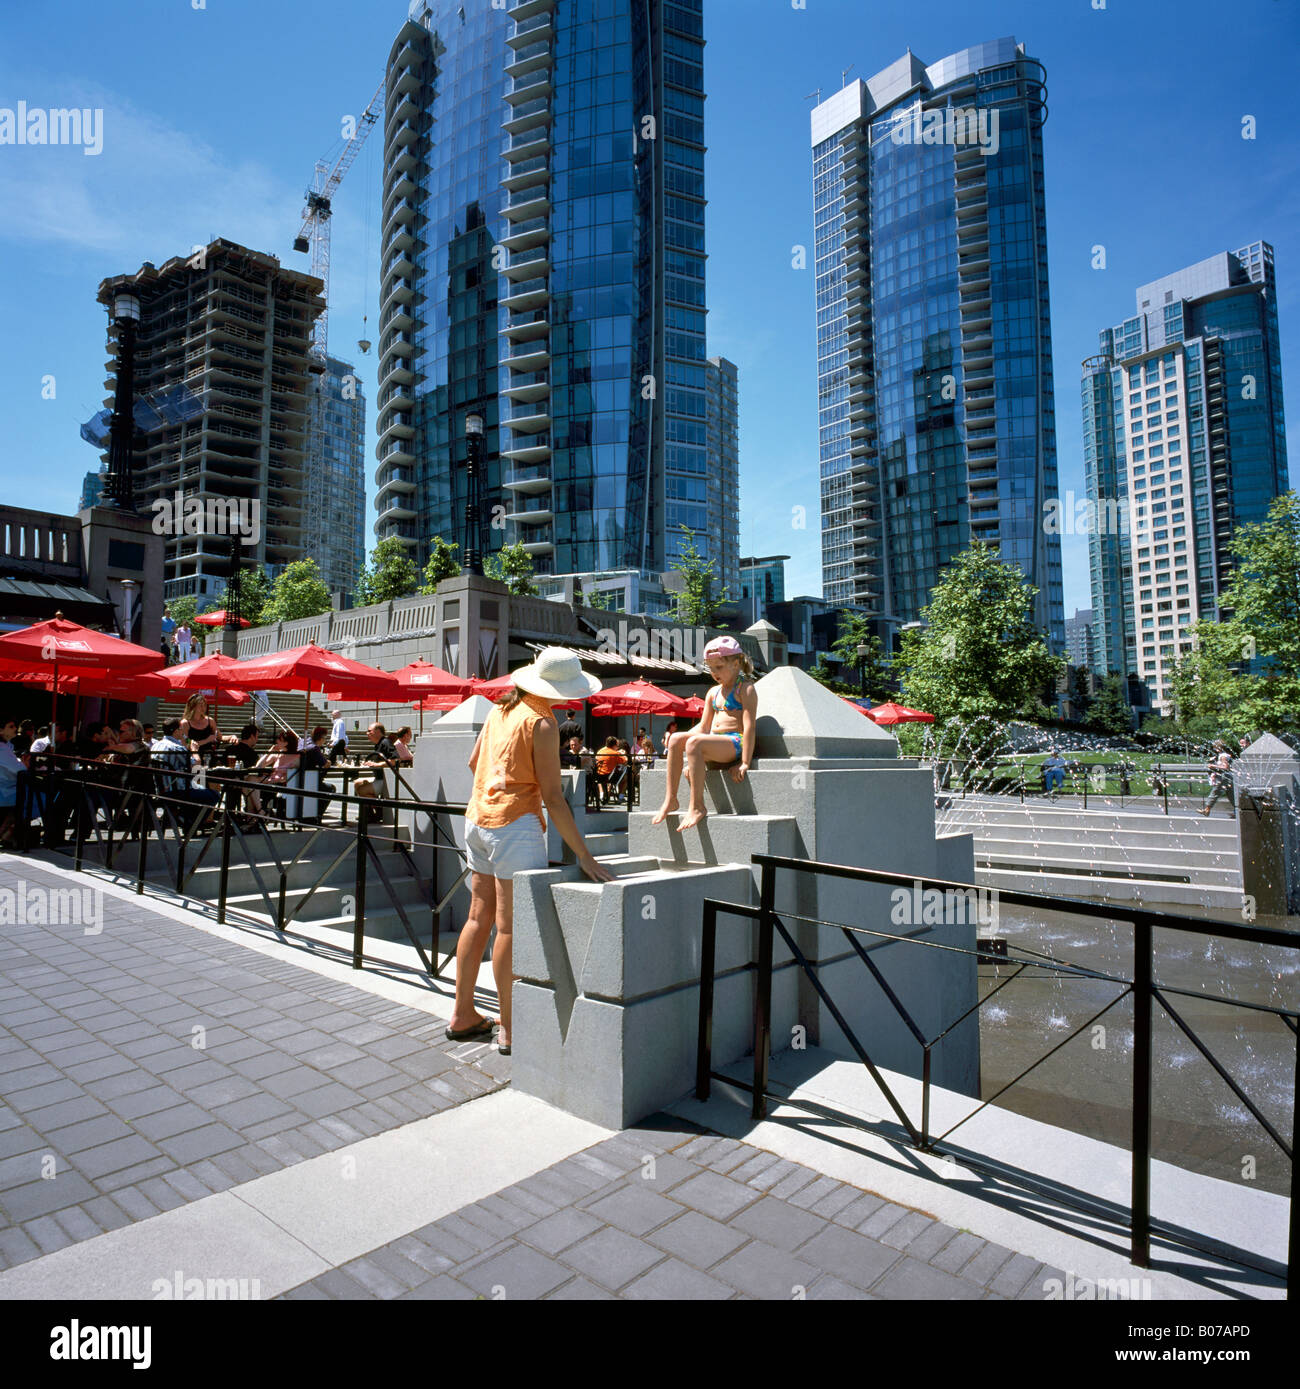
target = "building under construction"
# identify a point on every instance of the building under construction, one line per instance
(228, 329)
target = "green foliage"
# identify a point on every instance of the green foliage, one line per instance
(824, 675)
(299, 591)
(513, 566)
(442, 564)
(980, 654)
(391, 574)
(254, 592)
(696, 605)
(1110, 712)
(873, 668)
(1081, 694)
(185, 610)
(1262, 625)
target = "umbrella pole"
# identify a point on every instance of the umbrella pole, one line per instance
(306, 710)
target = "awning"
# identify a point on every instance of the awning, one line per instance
(610, 661)
(26, 599)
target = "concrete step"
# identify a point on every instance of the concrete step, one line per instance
(1087, 840)
(1139, 891)
(720, 839)
(1095, 822)
(327, 900)
(1191, 857)
(1226, 876)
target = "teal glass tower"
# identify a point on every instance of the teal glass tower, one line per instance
(544, 264)
(936, 400)
(1184, 441)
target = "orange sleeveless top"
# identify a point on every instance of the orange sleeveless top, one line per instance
(505, 782)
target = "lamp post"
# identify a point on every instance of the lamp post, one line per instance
(119, 485)
(863, 652)
(233, 587)
(474, 436)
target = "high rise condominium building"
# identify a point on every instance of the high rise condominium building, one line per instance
(936, 405)
(334, 514)
(1080, 649)
(543, 267)
(1184, 441)
(228, 329)
(722, 518)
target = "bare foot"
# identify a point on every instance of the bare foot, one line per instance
(691, 819)
(664, 812)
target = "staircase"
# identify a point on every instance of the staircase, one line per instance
(230, 718)
(1119, 856)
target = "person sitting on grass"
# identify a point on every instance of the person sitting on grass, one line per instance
(725, 735)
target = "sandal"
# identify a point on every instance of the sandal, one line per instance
(467, 1034)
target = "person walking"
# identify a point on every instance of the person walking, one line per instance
(183, 639)
(1221, 778)
(516, 766)
(168, 629)
(338, 739)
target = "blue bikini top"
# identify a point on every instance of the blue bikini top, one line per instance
(730, 704)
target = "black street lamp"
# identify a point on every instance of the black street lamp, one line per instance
(119, 485)
(233, 587)
(863, 652)
(475, 432)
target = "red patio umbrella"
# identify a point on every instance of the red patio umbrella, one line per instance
(207, 676)
(503, 684)
(423, 677)
(218, 619)
(694, 705)
(313, 668)
(58, 644)
(897, 713)
(639, 699)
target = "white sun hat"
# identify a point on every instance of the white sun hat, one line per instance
(557, 673)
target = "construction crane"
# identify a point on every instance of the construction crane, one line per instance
(314, 235)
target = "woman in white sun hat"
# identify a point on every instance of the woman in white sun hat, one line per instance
(516, 766)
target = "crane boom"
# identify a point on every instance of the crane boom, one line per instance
(314, 235)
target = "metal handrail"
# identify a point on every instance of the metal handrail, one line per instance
(1142, 987)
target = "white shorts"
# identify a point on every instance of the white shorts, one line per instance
(513, 848)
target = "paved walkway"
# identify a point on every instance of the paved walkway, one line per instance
(182, 1098)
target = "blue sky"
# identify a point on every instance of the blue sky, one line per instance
(214, 118)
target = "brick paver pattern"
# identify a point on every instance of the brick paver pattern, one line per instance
(151, 1064)
(661, 1212)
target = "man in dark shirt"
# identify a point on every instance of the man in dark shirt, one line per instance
(244, 750)
(383, 755)
(570, 728)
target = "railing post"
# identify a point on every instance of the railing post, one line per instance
(704, 1046)
(359, 900)
(223, 880)
(1141, 1146)
(1164, 786)
(925, 1100)
(142, 828)
(763, 990)
(1293, 1231)
(79, 831)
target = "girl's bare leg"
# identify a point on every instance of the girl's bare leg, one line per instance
(676, 750)
(698, 750)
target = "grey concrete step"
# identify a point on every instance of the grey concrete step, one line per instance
(1091, 821)
(1138, 891)
(720, 839)
(1193, 858)
(328, 900)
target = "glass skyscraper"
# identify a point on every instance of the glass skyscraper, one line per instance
(543, 266)
(723, 493)
(334, 512)
(936, 404)
(1184, 441)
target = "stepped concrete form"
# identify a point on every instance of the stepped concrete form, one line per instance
(606, 1006)
(1120, 856)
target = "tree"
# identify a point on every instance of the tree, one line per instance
(513, 566)
(1261, 629)
(185, 610)
(254, 591)
(980, 653)
(873, 667)
(1081, 693)
(824, 675)
(1110, 712)
(442, 564)
(696, 604)
(298, 591)
(392, 574)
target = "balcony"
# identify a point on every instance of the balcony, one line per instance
(400, 479)
(536, 478)
(526, 204)
(540, 26)
(533, 232)
(404, 134)
(399, 425)
(399, 290)
(529, 58)
(405, 109)
(528, 448)
(525, 265)
(527, 145)
(404, 79)
(532, 512)
(529, 356)
(536, 84)
(400, 343)
(529, 294)
(527, 172)
(532, 114)
(403, 210)
(526, 9)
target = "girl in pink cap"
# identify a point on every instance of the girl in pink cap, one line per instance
(724, 736)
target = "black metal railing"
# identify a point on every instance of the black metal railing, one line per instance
(1143, 988)
(184, 816)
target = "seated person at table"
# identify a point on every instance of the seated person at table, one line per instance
(281, 760)
(609, 759)
(198, 730)
(402, 747)
(94, 741)
(571, 752)
(169, 755)
(315, 758)
(242, 753)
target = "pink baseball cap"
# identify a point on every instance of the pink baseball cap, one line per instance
(724, 646)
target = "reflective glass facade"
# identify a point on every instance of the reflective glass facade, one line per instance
(557, 278)
(936, 399)
(334, 513)
(1185, 437)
